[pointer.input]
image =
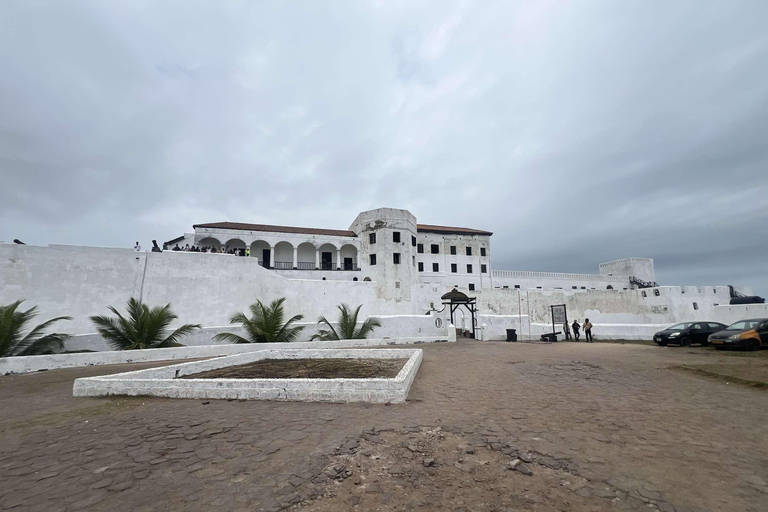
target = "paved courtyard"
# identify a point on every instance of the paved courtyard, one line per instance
(600, 427)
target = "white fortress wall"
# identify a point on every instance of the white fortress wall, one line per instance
(641, 268)
(554, 280)
(202, 288)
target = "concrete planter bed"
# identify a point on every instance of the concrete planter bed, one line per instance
(174, 381)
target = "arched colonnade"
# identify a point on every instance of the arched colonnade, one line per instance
(284, 255)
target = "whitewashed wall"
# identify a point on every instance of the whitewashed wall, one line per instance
(83, 281)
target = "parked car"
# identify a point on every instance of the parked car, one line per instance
(686, 333)
(749, 334)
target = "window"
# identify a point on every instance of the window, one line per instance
(575, 287)
(609, 287)
(373, 259)
(583, 287)
(469, 269)
(482, 251)
(354, 279)
(434, 249)
(420, 248)
(435, 267)
(471, 287)
(413, 241)
(397, 284)
(483, 269)
(372, 238)
(396, 258)
(517, 286)
(695, 306)
(538, 287)
(413, 260)
(396, 237)
(469, 251)
(454, 268)
(645, 294)
(453, 249)
(421, 266)
(505, 286)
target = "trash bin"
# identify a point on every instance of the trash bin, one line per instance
(511, 334)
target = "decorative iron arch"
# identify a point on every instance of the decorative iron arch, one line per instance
(456, 299)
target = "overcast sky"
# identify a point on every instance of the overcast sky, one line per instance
(578, 132)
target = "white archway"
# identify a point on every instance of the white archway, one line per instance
(306, 256)
(349, 257)
(258, 249)
(328, 257)
(283, 256)
(208, 242)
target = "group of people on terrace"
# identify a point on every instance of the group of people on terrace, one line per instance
(235, 251)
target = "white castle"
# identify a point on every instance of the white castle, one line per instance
(395, 267)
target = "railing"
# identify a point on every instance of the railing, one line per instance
(309, 265)
(556, 275)
(643, 284)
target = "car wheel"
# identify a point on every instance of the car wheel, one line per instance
(754, 345)
(685, 342)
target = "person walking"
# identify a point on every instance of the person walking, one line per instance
(576, 328)
(566, 331)
(588, 331)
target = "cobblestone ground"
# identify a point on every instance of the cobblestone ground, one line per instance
(666, 438)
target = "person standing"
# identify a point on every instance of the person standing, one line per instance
(137, 247)
(566, 331)
(588, 331)
(576, 328)
(155, 248)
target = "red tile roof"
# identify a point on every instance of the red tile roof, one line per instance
(449, 230)
(275, 229)
(423, 228)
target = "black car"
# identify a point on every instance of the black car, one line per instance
(687, 333)
(749, 334)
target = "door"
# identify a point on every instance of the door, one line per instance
(347, 263)
(698, 334)
(327, 261)
(762, 330)
(266, 256)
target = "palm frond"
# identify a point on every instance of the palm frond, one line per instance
(266, 324)
(45, 345)
(325, 335)
(142, 328)
(231, 337)
(13, 322)
(180, 332)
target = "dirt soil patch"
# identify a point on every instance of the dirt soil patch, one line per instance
(428, 468)
(754, 375)
(307, 369)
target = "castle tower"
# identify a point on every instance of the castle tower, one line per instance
(388, 250)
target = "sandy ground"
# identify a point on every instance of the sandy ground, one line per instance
(599, 426)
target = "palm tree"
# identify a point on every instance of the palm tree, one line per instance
(36, 342)
(348, 329)
(265, 325)
(144, 327)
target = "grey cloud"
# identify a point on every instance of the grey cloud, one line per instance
(577, 133)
